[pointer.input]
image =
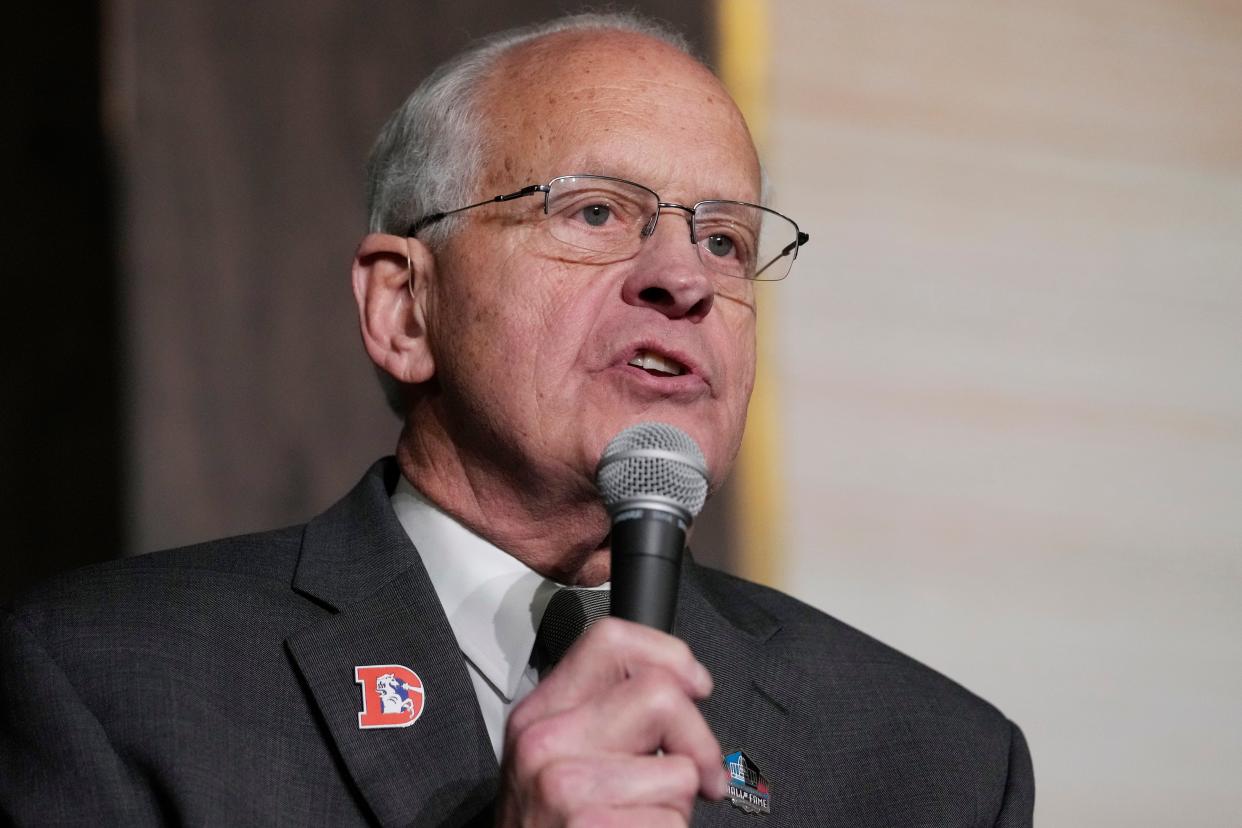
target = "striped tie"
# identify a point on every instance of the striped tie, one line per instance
(569, 613)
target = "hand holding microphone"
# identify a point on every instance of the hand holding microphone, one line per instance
(612, 735)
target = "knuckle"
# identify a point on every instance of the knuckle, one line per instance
(520, 718)
(687, 665)
(682, 651)
(661, 695)
(533, 748)
(683, 775)
(609, 632)
(555, 783)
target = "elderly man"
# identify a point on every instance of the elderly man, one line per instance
(527, 295)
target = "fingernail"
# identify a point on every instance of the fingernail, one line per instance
(722, 789)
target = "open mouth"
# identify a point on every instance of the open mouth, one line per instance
(657, 365)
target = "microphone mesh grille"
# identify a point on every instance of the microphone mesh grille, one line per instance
(625, 475)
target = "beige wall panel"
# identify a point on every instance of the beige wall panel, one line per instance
(1011, 370)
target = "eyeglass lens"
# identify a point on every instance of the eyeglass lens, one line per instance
(606, 220)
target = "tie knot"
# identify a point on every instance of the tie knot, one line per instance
(570, 611)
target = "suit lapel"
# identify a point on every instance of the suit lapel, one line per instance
(358, 562)
(753, 706)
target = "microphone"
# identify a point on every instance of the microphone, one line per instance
(653, 479)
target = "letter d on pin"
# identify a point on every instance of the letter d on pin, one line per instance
(392, 696)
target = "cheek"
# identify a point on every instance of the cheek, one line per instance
(467, 331)
(523, 323)
(740, 350)
(465, 323)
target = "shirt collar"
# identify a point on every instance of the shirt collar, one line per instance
(493, 601)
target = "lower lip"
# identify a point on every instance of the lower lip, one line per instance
(684, 386)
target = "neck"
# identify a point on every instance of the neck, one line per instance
(557, 528)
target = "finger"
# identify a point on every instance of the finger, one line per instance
(636, 716)
(608, 653)
(576, 784)
(613, 650)
(648, 817)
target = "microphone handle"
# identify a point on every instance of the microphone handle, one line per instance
(646, 565)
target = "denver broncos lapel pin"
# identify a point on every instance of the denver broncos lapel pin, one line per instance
(748, 789)
(392, 696)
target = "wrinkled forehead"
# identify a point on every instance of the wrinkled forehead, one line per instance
(616, 104)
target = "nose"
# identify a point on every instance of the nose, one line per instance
(667, 275)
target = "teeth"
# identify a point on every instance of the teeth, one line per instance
(654, 362)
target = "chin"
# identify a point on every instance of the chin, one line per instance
(595, 571)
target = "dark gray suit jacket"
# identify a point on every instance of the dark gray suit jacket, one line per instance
(214, 685)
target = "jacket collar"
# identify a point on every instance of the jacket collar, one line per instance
(754, 704)
(357, 561)
(357, 545)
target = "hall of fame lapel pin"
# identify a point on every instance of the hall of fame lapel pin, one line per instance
(392, 696)
(748, 789)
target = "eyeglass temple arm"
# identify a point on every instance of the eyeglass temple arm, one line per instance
(803, 238)
(432, 218)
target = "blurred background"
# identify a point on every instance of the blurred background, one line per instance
(1000, 425)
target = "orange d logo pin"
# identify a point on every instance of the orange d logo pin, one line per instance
(392, 696)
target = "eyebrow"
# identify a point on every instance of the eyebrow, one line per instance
(593, 165)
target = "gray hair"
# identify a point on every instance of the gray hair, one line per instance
(431, 150)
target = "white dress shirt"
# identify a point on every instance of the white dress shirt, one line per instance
(493, 601)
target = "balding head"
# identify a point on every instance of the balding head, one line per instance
(429, 153)
(564, 94)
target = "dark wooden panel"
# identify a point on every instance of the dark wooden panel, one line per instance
(245, 129)
(60, 451)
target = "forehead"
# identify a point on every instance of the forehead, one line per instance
(616, 104)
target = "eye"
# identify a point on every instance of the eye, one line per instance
(719, 244)
(596, 215)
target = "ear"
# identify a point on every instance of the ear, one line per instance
(390, 277)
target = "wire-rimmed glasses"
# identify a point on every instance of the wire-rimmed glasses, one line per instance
(601, 220)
